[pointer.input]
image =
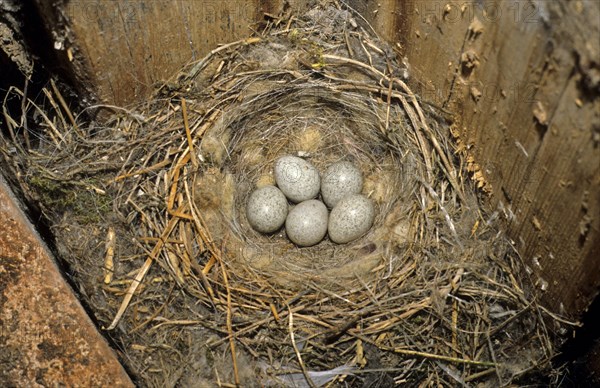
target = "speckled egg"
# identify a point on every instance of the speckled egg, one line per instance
(267, 209)
(298, 179)
(340, 180)
(306, 224)
(351, 218)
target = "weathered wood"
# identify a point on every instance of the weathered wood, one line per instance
(12, 49)
(124, 48)
(521, 78)
(46, 337)
(529, 112)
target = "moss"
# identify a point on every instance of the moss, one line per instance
(79, 199)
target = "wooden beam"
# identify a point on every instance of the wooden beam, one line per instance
(46, 337)
(119, 51)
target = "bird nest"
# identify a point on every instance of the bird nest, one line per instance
(149, 212)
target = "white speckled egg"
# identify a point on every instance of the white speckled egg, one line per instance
(306, 224)
(340, 180)
(267, 209)
(351, 218)
(298, 179)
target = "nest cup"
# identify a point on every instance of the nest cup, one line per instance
(311, 119)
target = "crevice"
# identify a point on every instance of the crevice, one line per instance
(458, 70)
(576, 352)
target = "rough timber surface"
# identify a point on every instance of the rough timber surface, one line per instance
(520, 77)
(46, 338)
(123, 50)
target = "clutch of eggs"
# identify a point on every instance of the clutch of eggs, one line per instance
(308, 222)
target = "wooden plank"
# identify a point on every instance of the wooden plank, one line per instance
(119, 50)
(46, 337)
(529, 56)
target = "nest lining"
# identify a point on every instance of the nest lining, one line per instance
(305, 117)
(433, 293)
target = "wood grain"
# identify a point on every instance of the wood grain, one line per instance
(121, 49)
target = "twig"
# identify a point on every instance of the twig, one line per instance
(478, 375)
(110, 254)
(64, 105)
(188, 134)
(201, 64)
(10, 124)
(408, 352)
(179, 322)
(132, 288)
(24, 115)
(155, 314)
(142, 272)
(388, 108)
(559, 319)
(493, 355)
(302, 366)
(230, 326)
(142, 171)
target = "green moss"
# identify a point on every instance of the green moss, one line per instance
(79, 199)
(295, 36)
(314, 49)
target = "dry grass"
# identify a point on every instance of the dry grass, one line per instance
(433, 294)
